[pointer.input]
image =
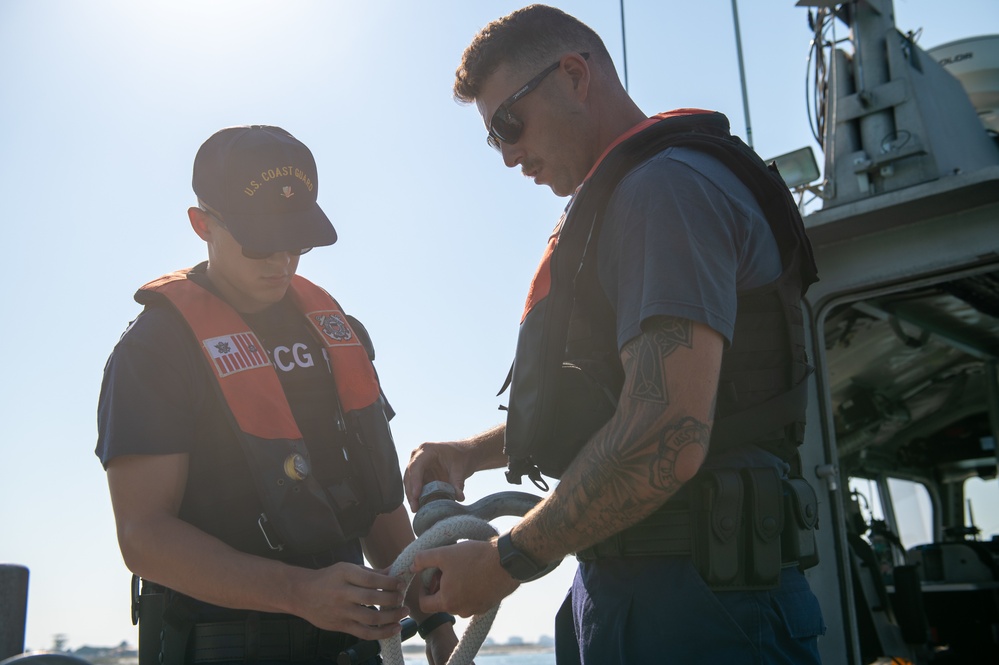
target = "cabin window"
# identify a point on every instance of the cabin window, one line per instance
(869, 523)
(868, 498)
(981, 506)
(913, 510)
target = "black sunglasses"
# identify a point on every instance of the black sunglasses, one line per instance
(250, 253)
(504, 126)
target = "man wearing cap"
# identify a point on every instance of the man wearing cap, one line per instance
(246, 439)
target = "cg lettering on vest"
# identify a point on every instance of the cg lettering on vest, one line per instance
(286, 359)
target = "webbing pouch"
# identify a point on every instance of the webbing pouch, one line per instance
(765, 520)
(375, 477)
(801, 508)
(719, 502)
(374, 460)
(582, 406)
(297, 510)
(175, 630)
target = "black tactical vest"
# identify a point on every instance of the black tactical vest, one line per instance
(567, 372)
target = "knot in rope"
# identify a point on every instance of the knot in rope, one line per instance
(444, 532)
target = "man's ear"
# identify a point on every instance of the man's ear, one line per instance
(199, 222)
(578, 70)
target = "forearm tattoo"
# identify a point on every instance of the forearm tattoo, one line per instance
(639, 459)
(683, 445)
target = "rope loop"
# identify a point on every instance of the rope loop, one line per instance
(445, 532)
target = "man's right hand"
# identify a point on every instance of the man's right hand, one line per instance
(352, 599)
(452, 462)
(447, 461)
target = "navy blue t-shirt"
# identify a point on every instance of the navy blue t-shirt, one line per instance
(683, 236)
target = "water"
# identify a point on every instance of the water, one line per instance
(531, 658)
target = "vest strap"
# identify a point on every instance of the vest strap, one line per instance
(757, 421)
(287, 639)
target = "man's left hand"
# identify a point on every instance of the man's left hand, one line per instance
(471, 579)
(440, 643)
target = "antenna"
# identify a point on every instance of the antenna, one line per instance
(624, 48)
(971, 519)
(742, 75)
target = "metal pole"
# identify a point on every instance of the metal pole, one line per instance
(742, 75)
(992, 400)
(624, 48)
(13, 609)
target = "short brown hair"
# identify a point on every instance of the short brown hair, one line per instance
(529, 37)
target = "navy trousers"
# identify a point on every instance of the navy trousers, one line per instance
(659, 610)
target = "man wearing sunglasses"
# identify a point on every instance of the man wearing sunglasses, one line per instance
(246, 438)
(672, 426)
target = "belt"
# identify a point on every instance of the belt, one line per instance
(664, 533)
(667, 532)
(290, 639)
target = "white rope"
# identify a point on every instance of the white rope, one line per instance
(445, 532)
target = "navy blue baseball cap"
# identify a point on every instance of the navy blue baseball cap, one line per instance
(262, 182)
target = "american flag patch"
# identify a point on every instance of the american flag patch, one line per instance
(234, 353)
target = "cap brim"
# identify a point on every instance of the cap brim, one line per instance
(278, 232)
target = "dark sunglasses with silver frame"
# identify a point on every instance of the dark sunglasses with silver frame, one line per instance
(504, 126)
(249, 253)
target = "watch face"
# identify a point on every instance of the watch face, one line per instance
(515, 562)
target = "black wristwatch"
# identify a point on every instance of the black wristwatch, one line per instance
(519, 565)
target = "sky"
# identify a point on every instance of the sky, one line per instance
(103, 105)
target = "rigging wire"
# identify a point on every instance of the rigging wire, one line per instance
(742, 75)
(624, 48)
(818, 83)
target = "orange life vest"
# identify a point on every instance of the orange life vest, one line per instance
(298, 512)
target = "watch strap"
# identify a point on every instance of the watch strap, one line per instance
(433, 622)
(518, 564)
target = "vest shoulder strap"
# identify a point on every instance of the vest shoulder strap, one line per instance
(362, 336)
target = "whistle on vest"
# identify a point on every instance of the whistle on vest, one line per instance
(296, 467)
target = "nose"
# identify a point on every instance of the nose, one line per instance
(282, 259)
(511, 154)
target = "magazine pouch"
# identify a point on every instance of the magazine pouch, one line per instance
(801, 510)
(718, 507)
(765, 521)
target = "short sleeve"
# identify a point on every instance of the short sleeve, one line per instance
(682, 237)
(151, 391)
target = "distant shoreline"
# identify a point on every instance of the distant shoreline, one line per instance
(125, 655)
(493, 649)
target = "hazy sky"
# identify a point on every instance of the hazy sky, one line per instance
(105, 103)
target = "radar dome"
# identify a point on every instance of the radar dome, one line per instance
(975, 63)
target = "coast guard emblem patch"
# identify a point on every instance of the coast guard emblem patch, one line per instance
(333, 326)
